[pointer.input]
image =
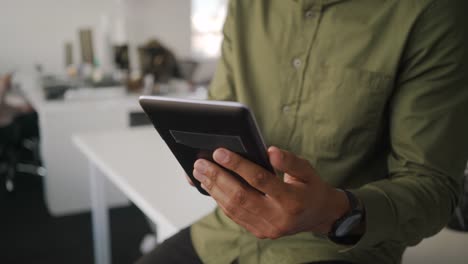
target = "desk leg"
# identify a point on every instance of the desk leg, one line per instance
(100, 217)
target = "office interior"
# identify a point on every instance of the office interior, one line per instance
(77, 153)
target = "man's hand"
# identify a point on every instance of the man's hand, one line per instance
(189, 180)
(271, 207)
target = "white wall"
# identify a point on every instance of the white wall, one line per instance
(34, 31)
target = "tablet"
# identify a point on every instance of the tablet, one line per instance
(193, 129)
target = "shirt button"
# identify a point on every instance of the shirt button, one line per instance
(309, 14)
(297, 63)
(286, 109)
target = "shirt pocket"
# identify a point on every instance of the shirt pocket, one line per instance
(349, 110)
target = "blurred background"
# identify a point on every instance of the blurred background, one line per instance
(71, 67)
(84, 177)
(39, 32)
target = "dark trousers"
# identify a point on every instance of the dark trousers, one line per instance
(178, 249)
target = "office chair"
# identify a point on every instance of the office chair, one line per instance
(14, 140)
(8, 136)
(8, 157)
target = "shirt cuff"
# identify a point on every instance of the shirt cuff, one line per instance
(381, 223)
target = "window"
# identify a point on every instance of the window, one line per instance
(207, 23)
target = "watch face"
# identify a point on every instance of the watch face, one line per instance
(348, 224)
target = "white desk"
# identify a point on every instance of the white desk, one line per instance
(86, 110)
(139, 163)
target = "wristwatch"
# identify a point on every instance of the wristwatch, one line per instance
(341, 232)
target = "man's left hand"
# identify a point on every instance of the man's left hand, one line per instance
(268, 206)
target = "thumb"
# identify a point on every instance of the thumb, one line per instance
(291, 164)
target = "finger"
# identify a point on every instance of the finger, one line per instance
(255, 175)
(189, 180)
(228, 190)
(291, 164)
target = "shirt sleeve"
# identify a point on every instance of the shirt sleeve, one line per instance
(428, 129)
(222, 85)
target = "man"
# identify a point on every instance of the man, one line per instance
(367, 96)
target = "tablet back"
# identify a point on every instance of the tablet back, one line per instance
(193, 129)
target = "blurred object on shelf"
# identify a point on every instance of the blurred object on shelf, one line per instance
(68, 54)
(176, 86)
(187, 69)
(134, 82)
(161, 88)
(72, 72)
(148, 84)
(85, 70)
(158, 60)
(180, 86)
(104, 55)
(204, 72)
(120, 76)
(54, 87)
(97, 75)
(86, 44)
(121, 59)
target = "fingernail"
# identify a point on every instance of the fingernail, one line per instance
(221, 156)
(273, 149)
(201, 166)
(199, 176)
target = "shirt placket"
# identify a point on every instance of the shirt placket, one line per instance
(308, 23)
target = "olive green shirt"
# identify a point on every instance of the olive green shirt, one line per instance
(374, 93)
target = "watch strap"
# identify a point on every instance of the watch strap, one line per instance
(353, 201)
(355, 209)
